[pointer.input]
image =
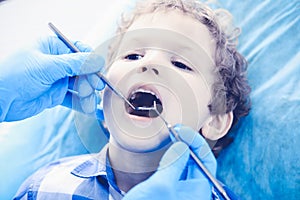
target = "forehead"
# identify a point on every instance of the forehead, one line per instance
(177, 22)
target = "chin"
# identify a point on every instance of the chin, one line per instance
(136, 145)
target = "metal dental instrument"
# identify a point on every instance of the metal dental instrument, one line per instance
(74, 49)
(205, 171)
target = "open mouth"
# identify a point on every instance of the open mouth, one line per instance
(143, 98)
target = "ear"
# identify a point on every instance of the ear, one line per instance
(217, 126)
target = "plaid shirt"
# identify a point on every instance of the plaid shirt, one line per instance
(84, 177)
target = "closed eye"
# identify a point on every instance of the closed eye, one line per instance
(133, 56)
(181, 65)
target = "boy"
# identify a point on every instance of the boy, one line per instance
(171, 54)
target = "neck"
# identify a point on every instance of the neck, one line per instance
(131, 168)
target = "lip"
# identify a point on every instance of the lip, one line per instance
(147, 87)
(150, 88)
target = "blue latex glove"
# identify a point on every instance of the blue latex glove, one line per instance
(178, 177)
(38, 78)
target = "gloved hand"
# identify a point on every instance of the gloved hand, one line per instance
(38, 78)
(178, 177)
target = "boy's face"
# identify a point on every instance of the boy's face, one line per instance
(164, 57)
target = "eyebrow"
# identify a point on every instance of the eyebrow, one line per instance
(139, 40)
(180, 47)
(184, 47)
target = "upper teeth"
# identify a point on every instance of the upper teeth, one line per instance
(144, 91)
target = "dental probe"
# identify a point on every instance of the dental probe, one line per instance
(74, 49)
(208, 175)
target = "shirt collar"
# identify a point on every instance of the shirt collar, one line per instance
(99, 165)
(92, 167)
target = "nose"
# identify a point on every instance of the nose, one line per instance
(151, 69)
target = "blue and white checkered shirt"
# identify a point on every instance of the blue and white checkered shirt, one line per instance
(84, 177)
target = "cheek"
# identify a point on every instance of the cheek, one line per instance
(202, 94)
(118, 70)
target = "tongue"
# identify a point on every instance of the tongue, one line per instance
(144, 100)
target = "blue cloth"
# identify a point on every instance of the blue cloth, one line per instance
(72, 178)
(83, 177)
(30, 144)
(262, 162)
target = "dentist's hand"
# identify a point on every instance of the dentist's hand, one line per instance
(38, 78)
(178, 177)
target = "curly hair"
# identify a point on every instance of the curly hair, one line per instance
(230, 90)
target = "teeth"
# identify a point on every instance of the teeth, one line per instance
(144, 91)
(144, 100)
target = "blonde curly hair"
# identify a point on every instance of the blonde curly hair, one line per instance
(231, 90)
